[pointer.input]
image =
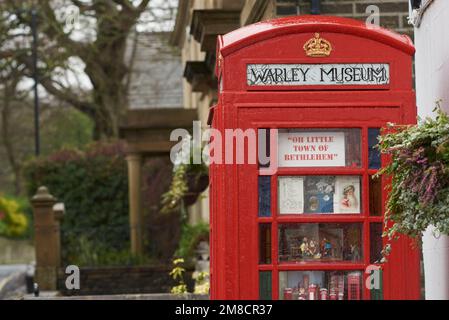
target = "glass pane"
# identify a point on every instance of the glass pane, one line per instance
(291, 195)
(264, 196)
(375, 196)
(374, 161)
(320, 285)
(265, 243)
(319, 194)
(319, 148)
(376, 244)
(320, 242)
(265, 285)
(263, 144)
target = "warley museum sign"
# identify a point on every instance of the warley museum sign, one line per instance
(317, 74)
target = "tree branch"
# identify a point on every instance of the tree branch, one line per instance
(55, 31)
(67, 96)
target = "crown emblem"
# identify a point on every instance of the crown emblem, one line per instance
(318, 47)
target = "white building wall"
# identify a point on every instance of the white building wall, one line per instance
(432, 84)
(432, 57)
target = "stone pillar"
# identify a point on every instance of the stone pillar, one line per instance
(47, 240)
(135, 202)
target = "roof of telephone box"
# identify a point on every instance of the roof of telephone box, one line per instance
(260, 31)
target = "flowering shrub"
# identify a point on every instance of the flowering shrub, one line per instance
(13, 223)
(419, 168)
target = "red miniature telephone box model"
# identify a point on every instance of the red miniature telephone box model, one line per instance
(313, 92)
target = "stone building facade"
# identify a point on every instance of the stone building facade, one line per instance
(154, 109)
(198, 23)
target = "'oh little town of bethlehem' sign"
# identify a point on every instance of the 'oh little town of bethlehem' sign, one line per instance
(317, 74)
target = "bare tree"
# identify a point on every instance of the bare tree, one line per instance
(100, 46)
(8, 93)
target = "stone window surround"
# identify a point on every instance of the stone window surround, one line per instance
(416, 15)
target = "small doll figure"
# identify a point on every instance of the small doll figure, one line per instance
(326, 248)
(355, 254)
(312, 248)
(302, 294)
(322, 243)
(313, 204)
(304, 247)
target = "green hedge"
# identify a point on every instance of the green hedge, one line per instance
(191, 236)
(94, 188)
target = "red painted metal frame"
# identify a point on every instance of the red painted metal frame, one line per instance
(234, 188)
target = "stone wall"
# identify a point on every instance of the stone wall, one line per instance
(122, 280)
(16, 251)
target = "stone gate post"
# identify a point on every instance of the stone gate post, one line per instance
(47, 239)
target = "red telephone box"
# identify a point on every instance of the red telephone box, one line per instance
(308, 224)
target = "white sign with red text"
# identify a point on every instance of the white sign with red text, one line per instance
(311, 149)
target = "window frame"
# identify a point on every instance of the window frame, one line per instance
(365, 217)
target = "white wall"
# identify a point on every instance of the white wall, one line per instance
(432, 57)
(432, 83)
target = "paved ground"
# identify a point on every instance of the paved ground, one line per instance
(50, 295)
(13, 286)
(6, 270)
(12, 281)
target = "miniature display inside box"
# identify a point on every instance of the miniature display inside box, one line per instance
(319, 194)
(326, 242)
(320, 285)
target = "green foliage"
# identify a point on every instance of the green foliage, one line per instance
(177, 274)
(92, 254)
(178, 188)
(419, 169)
(61, 127)
(93, 186)
(187, 177)
(191, 235)
(13, 221)
(65, 128)
(202, 283)
(179, 289)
